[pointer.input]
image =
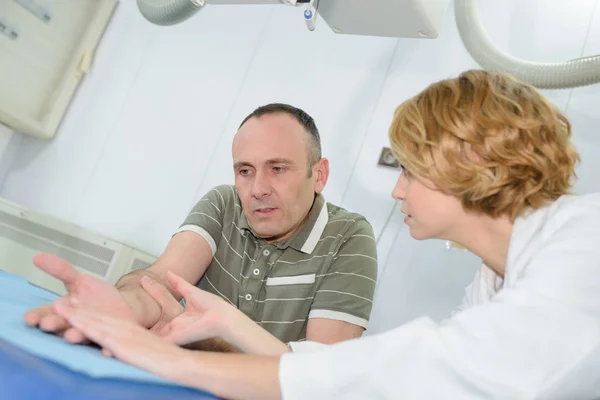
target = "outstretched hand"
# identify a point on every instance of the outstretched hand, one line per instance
(89, 291)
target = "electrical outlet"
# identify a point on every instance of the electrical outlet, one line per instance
(387, 159)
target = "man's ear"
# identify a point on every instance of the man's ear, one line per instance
(321, 171)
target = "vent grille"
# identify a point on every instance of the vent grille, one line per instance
(55, 236)
(90, 264)
(140, 264)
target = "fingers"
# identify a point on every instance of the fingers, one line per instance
(176, 334)
(49, 321)
(162, 330)
(57, 267)
(53, 324)
(123, 339)
(170, 307)
(75, 336)
(46, 318)
(186, 329)
(70, 334)
(87, 323)
(182, 286)
(35, 315)
(117, 337)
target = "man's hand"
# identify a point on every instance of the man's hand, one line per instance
(87, 291)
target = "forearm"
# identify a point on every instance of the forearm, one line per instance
(248, 338)
(251, 338)
(145, 308)
(231, 376)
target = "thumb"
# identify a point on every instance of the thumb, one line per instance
(182, 286)
(177, 333)
(58, 268)
(170, 306)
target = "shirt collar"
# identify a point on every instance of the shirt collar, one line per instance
(306, 238)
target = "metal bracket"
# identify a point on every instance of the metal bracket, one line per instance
(387, 159)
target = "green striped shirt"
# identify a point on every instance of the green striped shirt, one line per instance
(327, 269)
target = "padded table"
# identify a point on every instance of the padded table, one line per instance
(37, 365)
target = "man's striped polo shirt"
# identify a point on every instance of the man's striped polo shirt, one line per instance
(327, 269)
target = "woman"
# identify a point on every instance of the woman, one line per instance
(487, 164)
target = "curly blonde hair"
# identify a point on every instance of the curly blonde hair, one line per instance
(492, 141)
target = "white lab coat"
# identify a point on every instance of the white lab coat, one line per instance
(535, 334)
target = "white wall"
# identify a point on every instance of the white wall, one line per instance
(150, 130)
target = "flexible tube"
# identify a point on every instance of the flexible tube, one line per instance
(562, 75)
(169, 12)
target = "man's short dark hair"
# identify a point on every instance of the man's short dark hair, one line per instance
(314, 149)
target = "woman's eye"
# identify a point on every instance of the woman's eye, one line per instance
(405, 172)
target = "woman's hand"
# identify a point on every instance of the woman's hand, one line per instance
(170, 308)
(205, 316)
(125, 339)
(208, 316)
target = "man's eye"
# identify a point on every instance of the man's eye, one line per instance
(278, 169)
(244, 172)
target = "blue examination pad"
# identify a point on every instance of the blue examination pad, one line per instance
(26, 376)
(23, 347)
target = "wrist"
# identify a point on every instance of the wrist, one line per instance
(231, 328)
(129, 298)
(180, 366)
(144, 313)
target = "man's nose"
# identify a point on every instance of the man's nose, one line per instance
(261, 186)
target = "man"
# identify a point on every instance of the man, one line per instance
(271, 246)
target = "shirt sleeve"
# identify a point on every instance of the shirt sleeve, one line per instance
(537, 339)
(206, 218)
(346, 292)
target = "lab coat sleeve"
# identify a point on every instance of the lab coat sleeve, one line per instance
(522, 342)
